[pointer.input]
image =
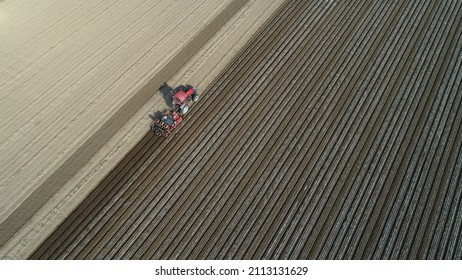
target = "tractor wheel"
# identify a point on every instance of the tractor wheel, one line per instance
(189, 86)
(184, 110)
(195, 97)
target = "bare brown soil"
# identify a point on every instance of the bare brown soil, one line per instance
(336, 134)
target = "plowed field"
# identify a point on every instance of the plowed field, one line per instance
(335, 134)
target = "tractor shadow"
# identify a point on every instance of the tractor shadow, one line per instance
(167, 94)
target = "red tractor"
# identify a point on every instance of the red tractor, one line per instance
(167, 121)
(182, 95)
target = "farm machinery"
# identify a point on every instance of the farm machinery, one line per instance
(166, 122)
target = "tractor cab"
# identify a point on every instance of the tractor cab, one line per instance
(182, 96)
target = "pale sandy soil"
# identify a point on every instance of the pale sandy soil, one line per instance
(71, 68)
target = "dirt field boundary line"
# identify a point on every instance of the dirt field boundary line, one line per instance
(107, 130)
